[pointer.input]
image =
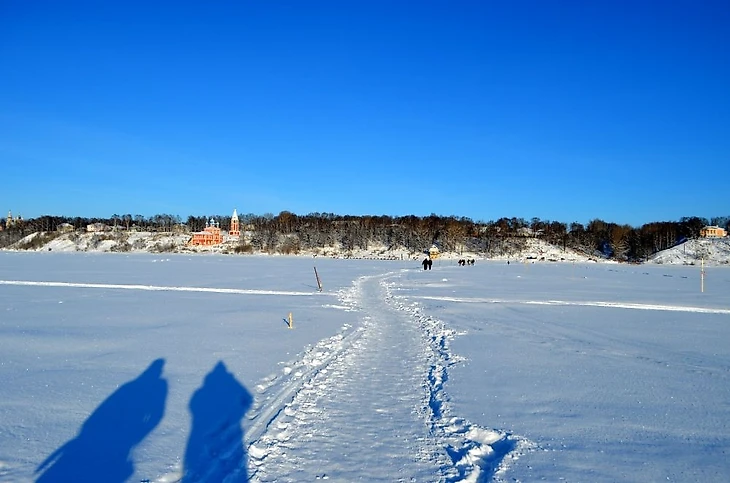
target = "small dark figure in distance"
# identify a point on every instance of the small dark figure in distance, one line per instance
(425, 263)
(430, 262)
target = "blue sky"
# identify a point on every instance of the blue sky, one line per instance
(565, 111)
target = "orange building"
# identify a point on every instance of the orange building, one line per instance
(211, 235)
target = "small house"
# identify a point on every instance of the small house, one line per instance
(97, 228)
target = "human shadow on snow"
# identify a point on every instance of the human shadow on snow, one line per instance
(101, 450)
(215, 448)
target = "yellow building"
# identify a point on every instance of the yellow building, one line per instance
(10, 222)
(98, 228)
(713, 232)
(433, 252)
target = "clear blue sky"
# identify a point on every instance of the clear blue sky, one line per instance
(566, 111)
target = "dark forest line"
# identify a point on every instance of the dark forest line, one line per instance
(290, 233)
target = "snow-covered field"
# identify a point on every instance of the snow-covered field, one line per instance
(133, 367)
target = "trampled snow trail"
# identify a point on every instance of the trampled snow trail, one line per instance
(371, 406)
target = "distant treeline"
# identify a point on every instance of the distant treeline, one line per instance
(290, 233)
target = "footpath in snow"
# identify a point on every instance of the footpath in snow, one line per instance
(370, 404)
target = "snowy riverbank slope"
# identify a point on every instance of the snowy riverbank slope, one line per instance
(691, 252)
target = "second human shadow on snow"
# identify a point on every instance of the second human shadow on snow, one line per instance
(215, 447)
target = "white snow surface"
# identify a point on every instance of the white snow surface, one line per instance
(134, 367)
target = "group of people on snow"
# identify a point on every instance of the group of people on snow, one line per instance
(427, 262)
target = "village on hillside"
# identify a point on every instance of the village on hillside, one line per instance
(711, 247)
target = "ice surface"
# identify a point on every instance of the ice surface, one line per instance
(158, 367)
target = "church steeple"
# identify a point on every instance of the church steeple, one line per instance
(235, 226)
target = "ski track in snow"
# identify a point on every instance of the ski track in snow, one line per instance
(369, 403)
(582, 303)
(158, 288)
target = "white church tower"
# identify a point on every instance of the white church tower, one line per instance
(235, 225)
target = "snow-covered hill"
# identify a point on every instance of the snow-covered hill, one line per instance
(714, 251)
(139, 242)
(103, 242)
(534, 250)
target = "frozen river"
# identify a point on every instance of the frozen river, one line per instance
(117, 367)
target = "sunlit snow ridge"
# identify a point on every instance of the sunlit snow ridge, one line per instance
(584, 303)
(157, 288)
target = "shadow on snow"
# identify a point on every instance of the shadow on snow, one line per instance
(215, 448)
(128, 415)
(102, 449)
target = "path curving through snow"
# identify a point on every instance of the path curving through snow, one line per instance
(370, 404)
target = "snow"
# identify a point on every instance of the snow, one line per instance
(132, 367)
(712, 251)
